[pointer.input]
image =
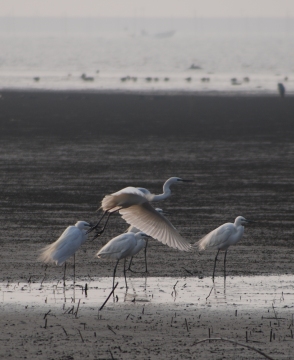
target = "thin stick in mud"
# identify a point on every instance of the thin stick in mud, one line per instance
(237, 343)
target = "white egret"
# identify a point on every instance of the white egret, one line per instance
(135, 230)
(66, 245)
(134, 206)
(122, 246)
(222, 238)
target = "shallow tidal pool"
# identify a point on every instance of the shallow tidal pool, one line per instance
(238, 292)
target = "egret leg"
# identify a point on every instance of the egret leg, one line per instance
(214, 265)
(74, 270)
(96, 225)
(114, 271)
(64, 274)
(225, 260)
(100, 232)
(130, 264)
(125, 271)
(145, 251)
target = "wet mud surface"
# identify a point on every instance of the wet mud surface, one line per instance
(60, 153)
(156, 318)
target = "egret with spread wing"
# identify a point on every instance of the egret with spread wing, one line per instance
(134, 206)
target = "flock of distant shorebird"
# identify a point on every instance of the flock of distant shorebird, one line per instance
(134, 205)
(234, 81)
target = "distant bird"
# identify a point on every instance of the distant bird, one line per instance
(195, 67)
(125, 78)
(246, 79)
(282, 89)
(148, 78)
(134, 230)
(87, 78)
(188, 79)
(166, 79)
(37, 78)
(234, 81)
(66, 245)
(134, 206)
(222, 238)
(122, 246)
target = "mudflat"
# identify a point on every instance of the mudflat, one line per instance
(61, 152)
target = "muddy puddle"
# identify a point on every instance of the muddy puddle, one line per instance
(239, 292)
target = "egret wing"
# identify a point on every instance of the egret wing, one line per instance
(144, 191)
(64, 247)
(118, 247)
(135, 230)
(216, 238)
(144, 217)
(121, 199)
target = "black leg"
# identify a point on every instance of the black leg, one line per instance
(64, 274)
(74, 270)
(214, 265)
(100, 232)
(225, 260)
(114, 273)
(146, 256)
(130, 264)
(125, 272)
(96, 225)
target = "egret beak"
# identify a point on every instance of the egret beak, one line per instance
(187, 180)
(250, 221)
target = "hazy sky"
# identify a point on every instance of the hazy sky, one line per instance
(148, 8)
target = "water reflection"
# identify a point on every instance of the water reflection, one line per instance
(259, 291)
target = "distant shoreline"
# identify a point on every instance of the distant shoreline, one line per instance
(159, 92)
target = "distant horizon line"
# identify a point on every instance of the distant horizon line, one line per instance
(146, 17)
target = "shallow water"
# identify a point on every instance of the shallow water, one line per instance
(257, 292)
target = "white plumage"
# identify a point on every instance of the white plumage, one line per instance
(122, 246)
(134, 206)
(66, 245)
(222, 238)
(135, 230)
